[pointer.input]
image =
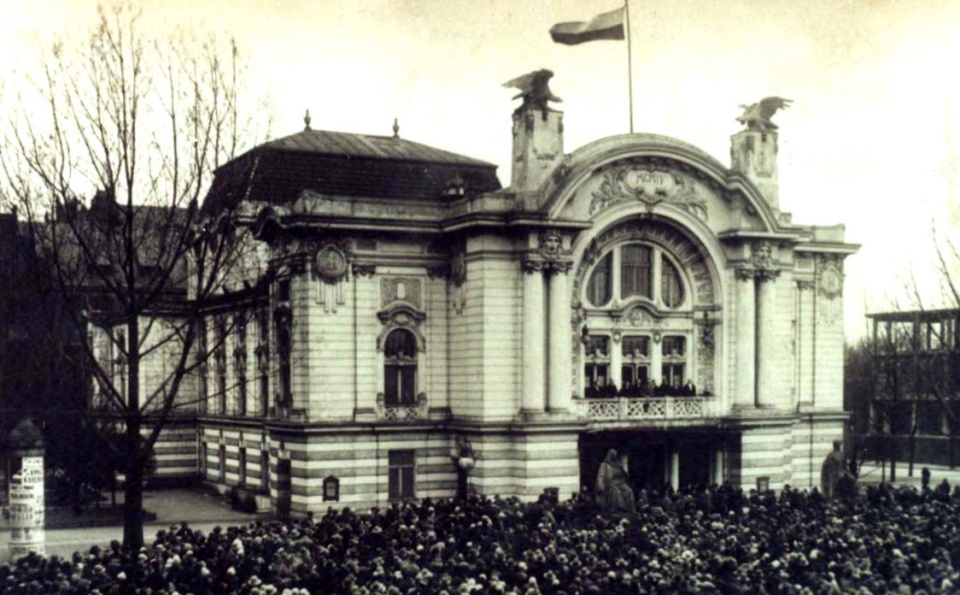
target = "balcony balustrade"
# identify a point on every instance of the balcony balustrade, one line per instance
(648, 408)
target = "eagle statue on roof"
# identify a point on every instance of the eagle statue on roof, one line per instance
(756, 116)
(534, 89)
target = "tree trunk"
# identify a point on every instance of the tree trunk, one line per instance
(135, 459)
(892, 450)
(133, 489)
(913, 451)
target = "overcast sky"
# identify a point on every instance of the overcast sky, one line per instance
(872, 139)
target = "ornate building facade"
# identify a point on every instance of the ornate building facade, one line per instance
(411, 314)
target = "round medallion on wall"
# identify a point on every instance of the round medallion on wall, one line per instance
(831, 282)
(331, 263)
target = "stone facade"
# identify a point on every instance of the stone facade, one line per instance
(384, 325)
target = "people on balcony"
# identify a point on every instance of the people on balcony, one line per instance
(601, 388)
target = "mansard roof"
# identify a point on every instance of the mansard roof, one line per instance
(346, 164)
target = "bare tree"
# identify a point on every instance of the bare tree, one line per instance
(909, 367)
(107, 156)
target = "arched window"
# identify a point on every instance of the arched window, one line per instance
(400, 368)
(600, 288)
(671, 287)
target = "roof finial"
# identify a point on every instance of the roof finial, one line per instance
(306, 120)
(396, 129)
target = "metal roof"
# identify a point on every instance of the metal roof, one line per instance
(347, 144)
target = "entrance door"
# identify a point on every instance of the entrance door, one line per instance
(695, 464)
(283, 488)
(646, 466)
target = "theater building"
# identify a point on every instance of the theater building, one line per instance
(410, 312)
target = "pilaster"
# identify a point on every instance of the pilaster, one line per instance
(534, 381)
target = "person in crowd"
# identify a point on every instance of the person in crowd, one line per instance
(889, 540)
(592, 390)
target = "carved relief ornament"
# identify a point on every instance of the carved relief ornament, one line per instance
(830, 275)
(648, 185)
(331, 263)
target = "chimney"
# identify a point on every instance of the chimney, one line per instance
(754, 154)
(537, 132)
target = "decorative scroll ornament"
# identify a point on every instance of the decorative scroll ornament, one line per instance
(650, 186)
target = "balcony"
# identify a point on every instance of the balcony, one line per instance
(658, 409)
(415, 411)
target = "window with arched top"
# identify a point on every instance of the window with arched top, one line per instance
(635, 270)
(600, 287)
(400, 368)
(671, 287)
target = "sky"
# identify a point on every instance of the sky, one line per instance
(872, 139)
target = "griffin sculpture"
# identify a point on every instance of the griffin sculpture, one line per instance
(756, 116)
(534, 89)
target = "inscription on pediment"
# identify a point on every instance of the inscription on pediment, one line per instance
(648, 185)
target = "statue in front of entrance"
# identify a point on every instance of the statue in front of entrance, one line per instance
(613, 493)
(835, 479)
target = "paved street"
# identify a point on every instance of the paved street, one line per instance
(201, 510)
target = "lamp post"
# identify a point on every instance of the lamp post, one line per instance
(465, 461)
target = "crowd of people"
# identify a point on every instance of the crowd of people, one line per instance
(602, 389)
(717, 540)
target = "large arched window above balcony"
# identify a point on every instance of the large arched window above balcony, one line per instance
(400, 368)
(636, 270)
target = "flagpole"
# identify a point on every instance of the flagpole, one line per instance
(626, 9)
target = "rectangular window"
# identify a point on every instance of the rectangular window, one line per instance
(635, 271)
(402, 474)
(673, 377)
(636, 347)
(263, 359)
(634, 379)
(120, 339)
(284, 335)
(240, 361)
(400, 384)
(243, 466)
(220, 362)
(202, 388)
(674, 350)
(222, 461)
(674, 346)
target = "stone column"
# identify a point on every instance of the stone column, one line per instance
(534, 335)
(766, 349)
(718, 466)
(745, 387)
(561, 341)
(674, 468)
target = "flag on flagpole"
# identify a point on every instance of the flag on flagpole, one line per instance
(608, 25)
